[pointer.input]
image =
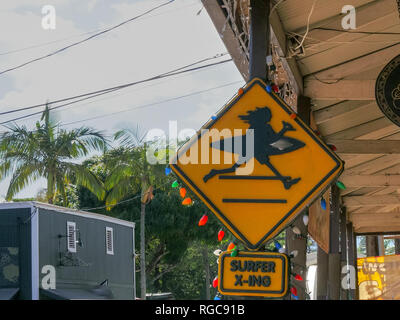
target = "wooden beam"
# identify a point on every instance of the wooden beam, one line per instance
(377, 128)
(228, 36)
(343, 89)
(366, 146)
(354, 181)
(361, 201)
(367, 62)
(377, 230)
(366, 14)
(375, 165)
(259, 38)
(363, 114)
(376, 16)
(375, 222)
(336, 111)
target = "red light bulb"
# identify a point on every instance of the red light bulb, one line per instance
(215, 282)
(203, 220)
(221, 235)
(293, 290)
(298, 277)
(182, 192)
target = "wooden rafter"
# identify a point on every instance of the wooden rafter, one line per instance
(370, 201)
(343, 89)
(366, 146)
(371, 180)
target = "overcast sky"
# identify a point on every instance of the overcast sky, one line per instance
(168, 38)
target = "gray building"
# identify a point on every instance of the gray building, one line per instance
(51, 252)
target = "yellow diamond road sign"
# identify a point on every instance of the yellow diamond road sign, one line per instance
(255, 165)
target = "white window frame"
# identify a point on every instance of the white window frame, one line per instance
(73, 225)
(111, 230)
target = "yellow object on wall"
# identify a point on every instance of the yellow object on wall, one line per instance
(379, 278)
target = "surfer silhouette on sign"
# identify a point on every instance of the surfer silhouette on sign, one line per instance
(267, 143)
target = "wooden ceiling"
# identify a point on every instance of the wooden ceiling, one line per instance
(337, 69)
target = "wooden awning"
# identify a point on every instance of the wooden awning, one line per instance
(337, 69)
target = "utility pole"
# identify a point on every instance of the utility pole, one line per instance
(259, 41)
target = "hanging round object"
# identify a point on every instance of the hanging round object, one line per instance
(340, 185)
(332, 147)
(221, 235)
(167, 171)
(215, 282)
(323, 204)
(234, 253)
(231, 246)
(296, 230)
(387, 90)
(293, 290)
(298, 277)
(277, 245)
(217, 252)
(187, 201)
(294, 297)
(305, 219)
(182, 192)
(203, 220)
(175, 184)
(294, 254)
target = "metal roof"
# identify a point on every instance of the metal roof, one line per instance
(85, 214)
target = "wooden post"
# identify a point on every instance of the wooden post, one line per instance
(352, 258)
(397, 246)
(259, 38)
(344, 294)
(372, 246)
(322, 274)
(334, 270)
(292, 241)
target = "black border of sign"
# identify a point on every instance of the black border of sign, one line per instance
(183, 150)
(285, 272)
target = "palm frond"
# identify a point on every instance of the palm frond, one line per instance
(84, 177)
(23, 176)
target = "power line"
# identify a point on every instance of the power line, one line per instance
(114, 96)
(119, 87)
(152, 104)
(39, 45)
(86, 39)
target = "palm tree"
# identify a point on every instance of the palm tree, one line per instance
(49, 152)
(132, 173)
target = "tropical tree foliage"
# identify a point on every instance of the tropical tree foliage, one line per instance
(48, 152)
(171, 232)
